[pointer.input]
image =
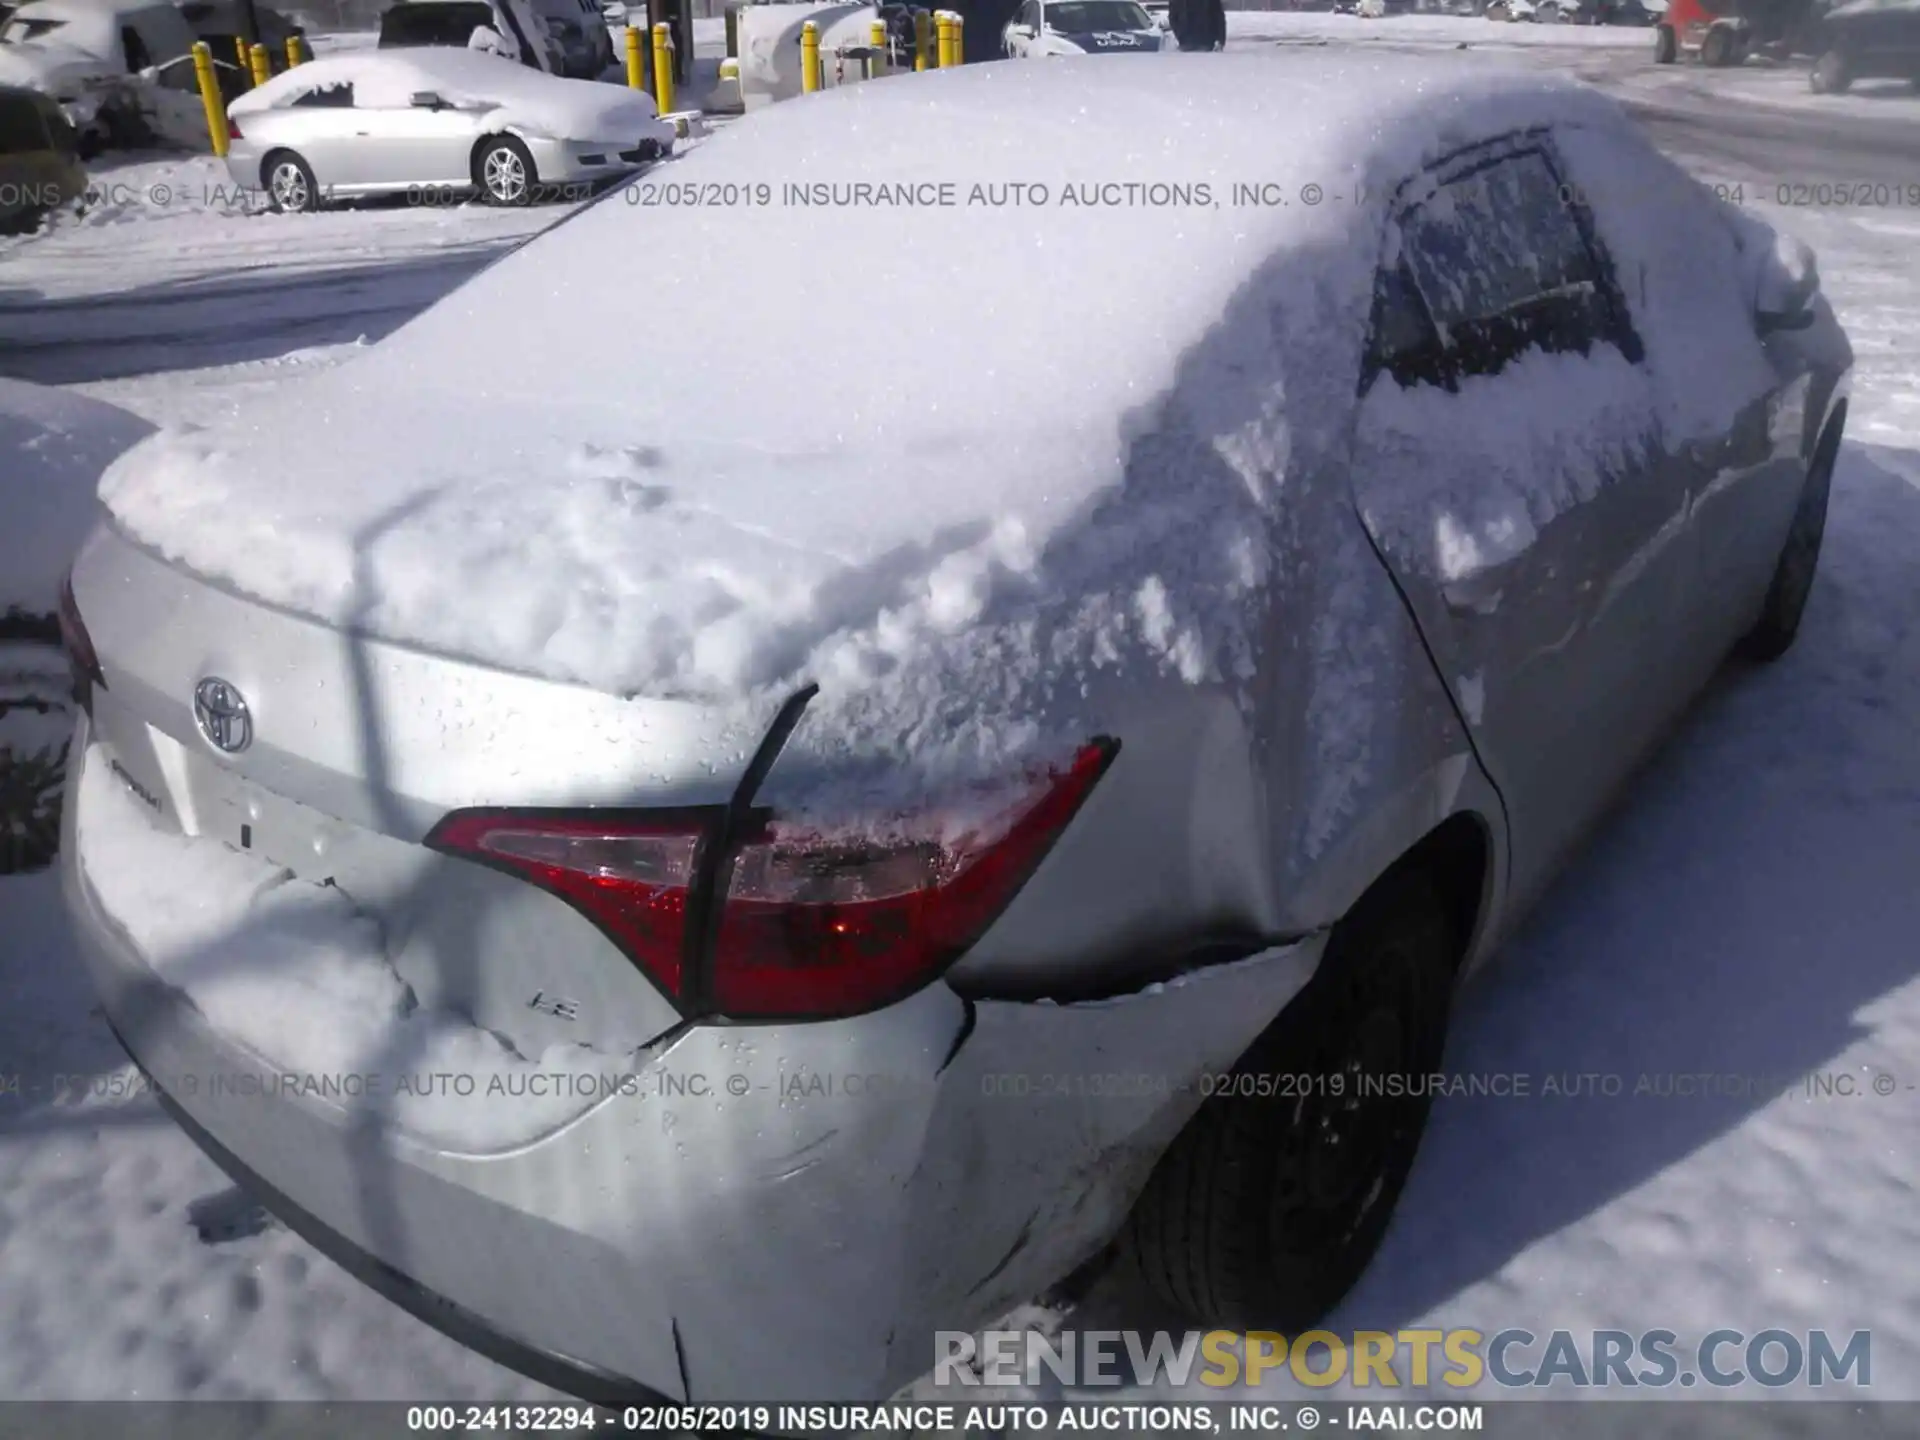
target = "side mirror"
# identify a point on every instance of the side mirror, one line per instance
(427, 100)
(1787, 292)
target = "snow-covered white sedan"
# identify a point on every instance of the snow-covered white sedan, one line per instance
(1081, 27)
(432, 121)
(698, 876)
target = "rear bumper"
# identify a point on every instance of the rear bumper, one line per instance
(795, 1227)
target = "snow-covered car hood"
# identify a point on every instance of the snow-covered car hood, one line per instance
(56, 445)
(58, 70)
(519, 97)
(1052, 461)
(1099, 42)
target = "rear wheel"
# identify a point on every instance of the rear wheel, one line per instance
(1666, 46)
(1831, 74)
(1716, 51)
(1786, 600)
(503, 169)
(1270, 1204)
(290, 183)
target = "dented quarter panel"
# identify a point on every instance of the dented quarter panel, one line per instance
(1021, 1188)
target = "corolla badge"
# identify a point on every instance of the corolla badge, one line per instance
(222, 714)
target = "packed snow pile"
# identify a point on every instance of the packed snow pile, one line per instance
(1006, 394)
(527, 99)
(297, 973)
(53, 447)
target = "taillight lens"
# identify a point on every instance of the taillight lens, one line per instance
(837, 922)
(82, 661)
(630, 875)
(233, 130)
(814, 922)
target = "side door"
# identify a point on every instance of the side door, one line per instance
(322, 127)
(410, 144)
(1507, 463)
(1739, 406)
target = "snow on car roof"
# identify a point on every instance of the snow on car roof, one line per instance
(716, 433)
(393, 77)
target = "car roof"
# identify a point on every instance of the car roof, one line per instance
(807, 373)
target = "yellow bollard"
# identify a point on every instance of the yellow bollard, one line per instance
(959, 39)
(877, 38)
(923, 40)
(295, 55)
(663, 67)
(262, 72)
(636, 70)
(809, 57)
(948, 24)
(210, 97)
(240, 54)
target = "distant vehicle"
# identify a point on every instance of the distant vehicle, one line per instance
(219, 24)
(40, 167)
(1720, 33)
(483, 700)
(579, 28)
(447, 121)
(454, 24)
(1044, 28)
(1594, 12)
(143, 41)
(1866, 40)
(1160, 12)
(1511, 10)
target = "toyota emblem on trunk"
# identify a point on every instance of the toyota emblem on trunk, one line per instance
(222, 714)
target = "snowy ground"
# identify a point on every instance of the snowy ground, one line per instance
(1749, 912)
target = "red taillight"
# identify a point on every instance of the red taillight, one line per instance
(813, 923)
(630, 875)
(233, 130)
(82, 661)
(836, 923)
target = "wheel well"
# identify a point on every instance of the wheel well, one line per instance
(1457, 855)
(266, 162)
(480, 148)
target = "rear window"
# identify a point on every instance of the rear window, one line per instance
(22, 128)
(432, 24)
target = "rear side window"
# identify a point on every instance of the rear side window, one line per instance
(335, 97)
(22, 129)
(1493, 261)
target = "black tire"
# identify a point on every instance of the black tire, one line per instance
(289, 183)
(503, 170)
(1793, 576)
(1666, 45)
(1250, 1222)
(1716, 51)
(1831, 74)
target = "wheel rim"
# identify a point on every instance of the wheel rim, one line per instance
(506, 177)
(1337, 1148)
(289, 186)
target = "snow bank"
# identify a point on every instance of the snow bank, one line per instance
(295, 972)
(53, 448)
(526, 99)
(967, 442)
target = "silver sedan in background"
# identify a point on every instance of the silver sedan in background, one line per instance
(381, 122)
